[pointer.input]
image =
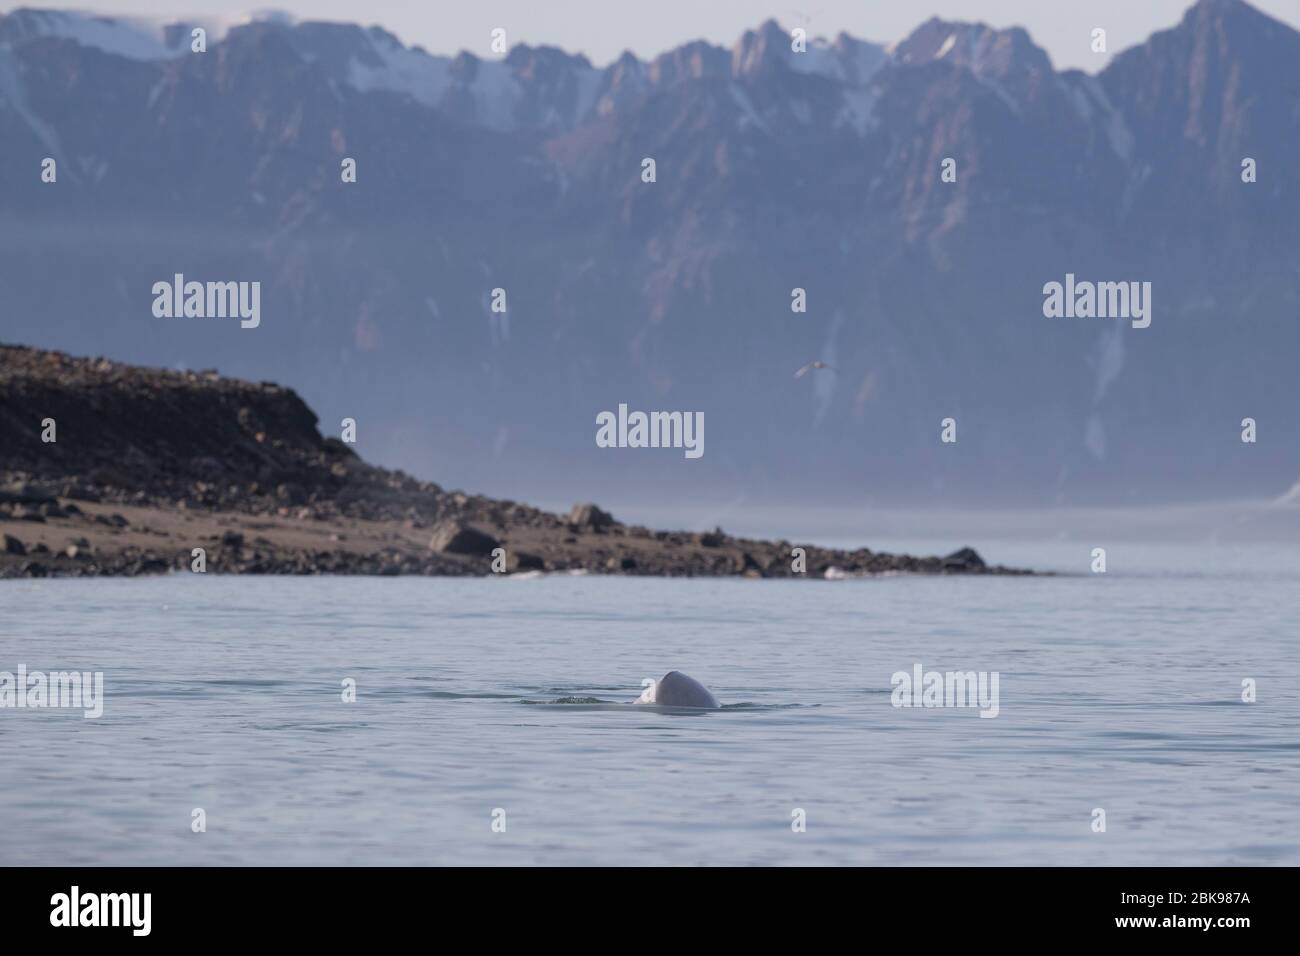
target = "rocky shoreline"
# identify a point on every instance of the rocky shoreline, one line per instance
(153, 471)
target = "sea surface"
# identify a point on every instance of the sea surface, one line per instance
(506, 700)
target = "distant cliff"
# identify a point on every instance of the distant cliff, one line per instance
(144, 466)
(149, 436)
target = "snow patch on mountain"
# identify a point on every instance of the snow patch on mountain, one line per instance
(818, 59)
(136, 38)
(849, 61)
(494, 93)
(1090, 101)
(401, 69)
(748, 113)
(857, 111)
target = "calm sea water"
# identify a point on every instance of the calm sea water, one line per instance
(1119, 691)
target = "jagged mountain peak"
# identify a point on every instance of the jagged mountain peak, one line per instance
(1214, 30)
(1224, 27)
(525, 59)
(985, 50)
(688, 61)
(761, 50)
(1223, 80)
(1219, 8)
(768, 51)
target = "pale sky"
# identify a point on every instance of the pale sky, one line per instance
(602, 29)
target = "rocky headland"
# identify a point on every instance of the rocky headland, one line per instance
(147, 465)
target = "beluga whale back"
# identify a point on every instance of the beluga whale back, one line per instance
(676, 689)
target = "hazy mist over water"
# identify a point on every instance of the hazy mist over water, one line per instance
(1119, 691)
(885, 528)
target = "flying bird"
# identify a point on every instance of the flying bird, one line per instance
(810, 366)
(806, 17)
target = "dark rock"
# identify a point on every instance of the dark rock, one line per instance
(964, 559)
(26, 493)
(291, 494)
(232, 539)
(80, 492)
(590, 516)
(455, 537)
(13, 545)
(711, 539)
(524, 561)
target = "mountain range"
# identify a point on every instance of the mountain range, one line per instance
(775, 170)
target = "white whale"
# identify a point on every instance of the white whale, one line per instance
(675, 689)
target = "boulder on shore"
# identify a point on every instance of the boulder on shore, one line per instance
(455, 537)
(590, 516)
(964, 559)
